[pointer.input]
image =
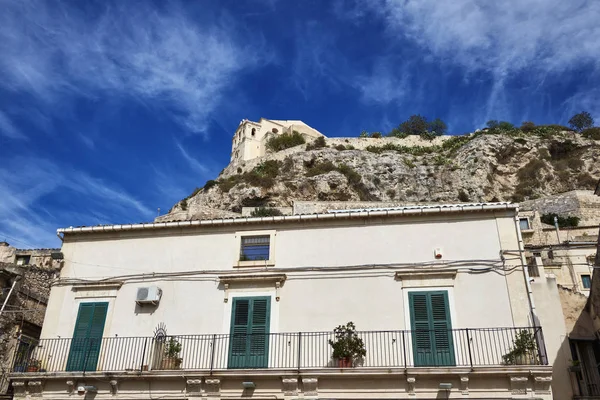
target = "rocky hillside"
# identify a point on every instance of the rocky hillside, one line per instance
(484, 166)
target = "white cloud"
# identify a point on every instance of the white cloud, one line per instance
(8, 128)
(26, 183)
(502, 37)
(162, 59)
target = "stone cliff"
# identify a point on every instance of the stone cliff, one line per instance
(483, 166)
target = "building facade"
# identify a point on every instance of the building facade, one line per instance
(560, 264)
(248, 307)
(25, 277)
(250, 138)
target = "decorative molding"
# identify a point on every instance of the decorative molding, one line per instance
(410, 385)
(309, 386)
(290, 387)
(518, 384)
(96, 289)
(35, 388)
(213, 388)
(70, 387)
(464, 384)
(541, 384)
(98, 285)
(426, 276)
(276, 279)
(194, 387)
(114, 389)
(19, 389)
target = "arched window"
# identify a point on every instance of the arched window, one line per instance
(253, 131)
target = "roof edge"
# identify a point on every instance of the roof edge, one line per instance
(340, 214)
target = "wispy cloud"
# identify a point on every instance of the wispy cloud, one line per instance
(8, 128)
(192, 162)
(26, 184)
(530, 40)
(163, 59)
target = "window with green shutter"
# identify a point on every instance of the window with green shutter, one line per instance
(431, 329)
(249, 341)
(87, 337)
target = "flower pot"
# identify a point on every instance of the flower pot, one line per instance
(33, 368)
(144, 368)
(345, 362)
(170, 363)
(525, 359)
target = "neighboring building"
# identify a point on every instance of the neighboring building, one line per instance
(25, 277)
(561, 263)
(246, 307)
(250, 138)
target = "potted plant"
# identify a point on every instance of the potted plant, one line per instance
(523, 351)
(575, 366)
(171, 359)
(347, 347)
(33, 365)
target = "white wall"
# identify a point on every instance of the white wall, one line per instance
(309, 300)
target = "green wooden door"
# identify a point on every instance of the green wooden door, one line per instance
(249, 340)
(87, 337)
(431, 329)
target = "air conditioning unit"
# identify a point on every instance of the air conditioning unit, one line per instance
(148, 295)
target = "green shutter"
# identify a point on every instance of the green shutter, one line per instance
(431, 329)
(249, 341)
(87, 337)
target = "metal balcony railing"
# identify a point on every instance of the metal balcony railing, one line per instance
(287, 351)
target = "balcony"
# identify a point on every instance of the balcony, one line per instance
(286, 352)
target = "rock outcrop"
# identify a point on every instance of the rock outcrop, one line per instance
(499, 166)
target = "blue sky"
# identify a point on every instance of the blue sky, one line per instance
(111, 110)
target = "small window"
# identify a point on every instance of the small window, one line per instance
(587, 281)
(524, 224)
(255, 248)
(253, 131)
(23, 260)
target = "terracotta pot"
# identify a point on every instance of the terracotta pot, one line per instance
(345, 362)
(170, 363)
(33, 368)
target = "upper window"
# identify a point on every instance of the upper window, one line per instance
(587, 281)
(524, 224)
(255, 248)
(23, 260)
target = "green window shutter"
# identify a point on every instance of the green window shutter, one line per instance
(249, 341)
(87, 337)
(431, 329)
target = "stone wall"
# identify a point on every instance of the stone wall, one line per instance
(577, 203)
(26, 306)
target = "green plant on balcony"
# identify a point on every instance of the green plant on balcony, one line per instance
(33, 365)
(171, 359)
(347, 346)
(523, 351)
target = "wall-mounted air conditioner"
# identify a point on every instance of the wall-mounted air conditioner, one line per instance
(148, 295)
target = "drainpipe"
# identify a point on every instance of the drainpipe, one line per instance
(557, 230)
(8, 297)
(525, 271)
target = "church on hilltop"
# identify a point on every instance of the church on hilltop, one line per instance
(250, 138)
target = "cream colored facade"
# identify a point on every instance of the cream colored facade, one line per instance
(250, 138)
(560, 266)
(322, 270)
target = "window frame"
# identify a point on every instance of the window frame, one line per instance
(589, 277)
(529, 228)
(255, 263)
(25, 257)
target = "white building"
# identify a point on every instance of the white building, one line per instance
(439, 296)
(250, 138)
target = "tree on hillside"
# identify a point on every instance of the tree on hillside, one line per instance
(438, 127)
(495, 124)
(414, 125)
(581, 121)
